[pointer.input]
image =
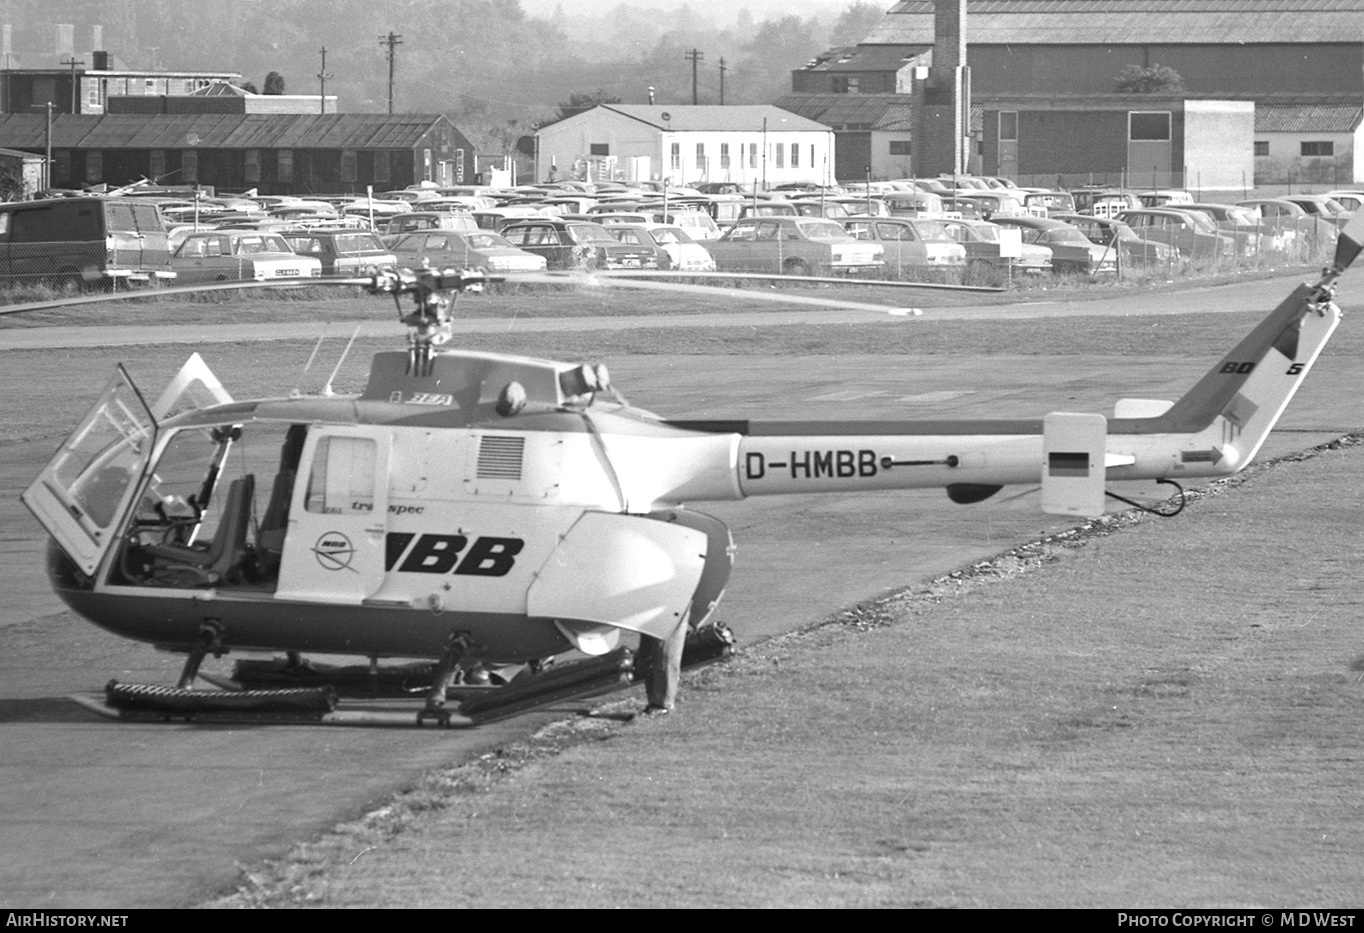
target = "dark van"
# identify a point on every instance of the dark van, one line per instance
(89, 242)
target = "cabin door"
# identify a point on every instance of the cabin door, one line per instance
(334, 543)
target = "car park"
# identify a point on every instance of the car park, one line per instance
(984, 250)
(343, 251)
(571, 244)
(909, 246)
(1071, 251)
(240, 255)
(479, 249)
(794, 246)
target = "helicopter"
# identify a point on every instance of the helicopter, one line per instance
(476, 510)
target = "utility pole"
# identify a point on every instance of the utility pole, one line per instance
(722, 81)
(322, 77)
(73, 62)
(695, 56)
(392, 40)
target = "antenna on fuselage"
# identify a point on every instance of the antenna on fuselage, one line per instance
(327, 389)
(298, 386)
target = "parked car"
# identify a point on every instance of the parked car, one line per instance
(963, 207)
(1351, 200)
(794, 246)
(1047, 203)
(1240, 223)
(909, 245)
(913, 203)
(981, 241)
(991, 202)
(1193, 234)
(498, 217)
(573, 244)
(1286, 228)
(679, 251)
(697, 223)
(239, 255)
(447, 249)
(428, 220)
(342, 251)
(812, 207)
(726, 210)
(1132, 249)
(85, 242)
(1071, 251)
(1161, 197)
(1322, 206)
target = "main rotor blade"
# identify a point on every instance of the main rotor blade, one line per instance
(590, 280)
(179, 290)
(793, 279)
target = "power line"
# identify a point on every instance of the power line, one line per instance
(695, 56)
(392, 41)
(322, 77)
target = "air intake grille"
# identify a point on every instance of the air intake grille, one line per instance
(500, 457)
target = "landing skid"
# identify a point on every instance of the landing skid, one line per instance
(307, 694)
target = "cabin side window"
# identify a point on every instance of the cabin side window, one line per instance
(342, 477)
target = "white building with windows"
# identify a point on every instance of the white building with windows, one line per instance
(752, 145)
(1319, 142)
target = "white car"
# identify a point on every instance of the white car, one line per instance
(239, 255)
(684, 253)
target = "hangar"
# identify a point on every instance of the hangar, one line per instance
(1280, 53)
(273, 153)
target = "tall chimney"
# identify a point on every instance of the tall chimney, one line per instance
(942, 100)
(66, 40)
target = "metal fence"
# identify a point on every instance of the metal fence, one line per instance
(82, 265)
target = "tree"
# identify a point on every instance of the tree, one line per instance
(274, 83)
(580, 101)
(856, 23)
(1156, 79)
(250, 87)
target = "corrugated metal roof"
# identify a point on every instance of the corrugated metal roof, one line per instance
(218, 131)
(852, 111)
(1124, 22)
(898, 116)
(711, 118)
(1308, 118)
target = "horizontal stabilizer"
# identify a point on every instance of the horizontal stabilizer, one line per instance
(1141, 407)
